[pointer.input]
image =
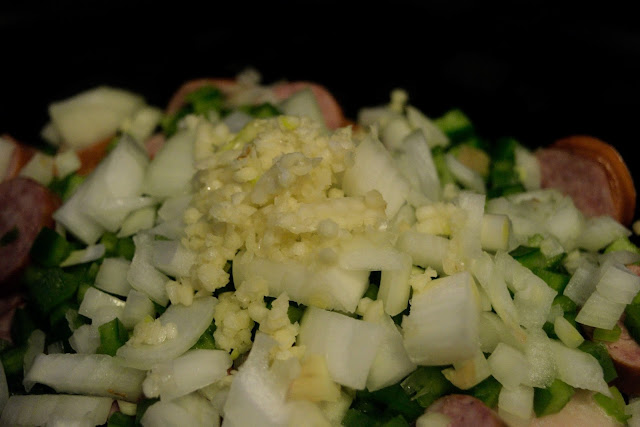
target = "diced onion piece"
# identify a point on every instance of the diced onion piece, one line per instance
(394, 131)
(257, 396)
(66, 162)
(374, 169)
(92, 374)
(138, 220)
(516, 403)
(170, 172)
(190, 410)
(137, 307)
(72, 217)
(190, 322)
(582, 283)
(83, 256)
(172, 258)
(579, 369)
(565, 222)
(362, 254)
(392, 362)
(426, 250)
(303, 103)
(330, 287)
(236, 120)
(85, 339)
(542, 365)
(533, 297)
(464, 175)
(508, 365)
(433, 419)
(618, 284)
(174, 207)
(567, 333)
(468, 373)
(93, 115)
(528, 168)
(100, 307)
(349, 345)
(116, 186)
(496, 231)
(143, 122)
(493, 330)
(432, 133)
(420, 163)
(49, 409)
(142, 275)
(442, 326)
(600, 312)
(112, 276)
(395, 288)
(39, 168)
(600, 232)
(187, 373)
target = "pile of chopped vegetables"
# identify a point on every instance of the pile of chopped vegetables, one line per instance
(264, 269)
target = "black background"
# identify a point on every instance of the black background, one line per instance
(533, 70)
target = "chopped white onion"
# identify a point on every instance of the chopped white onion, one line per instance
(85, 339)
(426, 250)
(600, 312)
(190, 323)
(112, 276)
(83, 256)
(92, 374)
(618, 284)
(142, 275)
(138, 220)
(100, 307)
(39, 168)
(395, 288)
(600, 232)
(137, 307)
(442, 326)
(578, 369)
(508, 365)
(192, 410)
(45, 409)
(35, 346)
(516, 402)
(349, 345)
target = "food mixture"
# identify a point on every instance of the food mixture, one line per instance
(249, 256)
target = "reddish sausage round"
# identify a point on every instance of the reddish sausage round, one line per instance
(464, 411)
(27, 206)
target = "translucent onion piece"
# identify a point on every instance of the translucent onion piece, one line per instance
(190, 323)
(112, 276)
(43, 409)
(92, 374)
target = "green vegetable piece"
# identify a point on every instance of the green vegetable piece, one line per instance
(556, 281)
(599, 351)
(118, 419)
(125, 248)
(395, 399)
(531, 257)
(23, 323)
(59, 325)
(488, 391)
(397, 421)
(13, 360)
(65, 187)
(632, 321)
(444, 174)
(261, 111)
(206, 340)
(205, 99)
(550, 400)
(356, 418)
(456, 125)
(50, 248)
(426, 385)
(82, 289)
(113, 335)
(613, 406)
(49, 286)
(622, 244)
(567, 304)
(110, 241)
(609, 335)
(9, 237)
(372, 292)
(295, 312)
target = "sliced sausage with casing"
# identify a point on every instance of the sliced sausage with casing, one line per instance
(26, 207)
(593, 173)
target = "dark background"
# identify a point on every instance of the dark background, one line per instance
(533, 70)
